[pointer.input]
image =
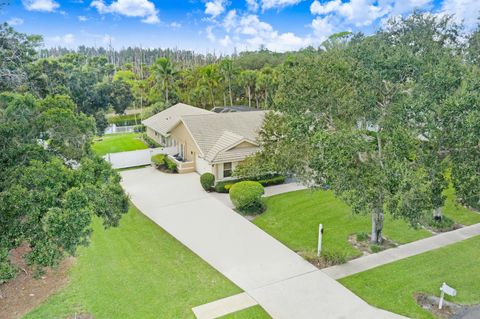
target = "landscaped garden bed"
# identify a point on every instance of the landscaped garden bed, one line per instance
(293, 218)
(399, 286)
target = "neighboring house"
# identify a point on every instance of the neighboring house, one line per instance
(204, 141)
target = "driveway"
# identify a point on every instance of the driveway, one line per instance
(284, 284)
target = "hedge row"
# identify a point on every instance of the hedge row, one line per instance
(150, 141)
(224, 186)
(125, 119)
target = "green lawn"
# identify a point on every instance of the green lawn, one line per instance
(392, 286)
(293, 219)
(114, 143)
(459, 213)
(137, 271)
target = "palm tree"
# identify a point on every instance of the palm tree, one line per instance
(248, 79)
(210, 77)
(164, 71)
(228, 74)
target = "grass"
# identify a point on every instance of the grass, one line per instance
(255, 312)
(392, 286)
(114, 143)
(293, 219)
(136, 271)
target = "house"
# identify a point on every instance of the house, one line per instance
(203, 141)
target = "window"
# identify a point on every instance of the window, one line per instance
(227, 169)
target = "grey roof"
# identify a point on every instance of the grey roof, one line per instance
(216, 134)
(164, 121)
(234, 108)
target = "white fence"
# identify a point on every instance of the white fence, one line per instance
(132, 158)
(112, 129)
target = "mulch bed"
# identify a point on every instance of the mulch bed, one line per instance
(449, 310)
(24, 293)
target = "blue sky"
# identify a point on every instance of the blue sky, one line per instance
(208, 25)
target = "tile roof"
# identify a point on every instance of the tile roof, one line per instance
(164, 121)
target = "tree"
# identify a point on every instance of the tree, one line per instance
(210, 78)
(248, 79)
(228, 73)
(48, 201)
(16, 51)
(165, 73)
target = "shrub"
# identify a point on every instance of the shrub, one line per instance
(362, 236)
(163, 163)
(334, 257)
(276, 180)
(207, 180)
(246, 196)
(441, 225)
(171, 166)
(221, 187)
(374, 248)
(149, 141)
(139, 128)
(125, 119)
(158, 160)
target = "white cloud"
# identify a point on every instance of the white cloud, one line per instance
(131, 8)
(467, 11)
(215, 7)
(67, 39)
(40, 5)
(252, 5)
(230, 20)
(15, 21)
(226, 41)
(278, 4)
(175, 25)
(210, 35)
(357, 12)
(323, 27)
(82, 18)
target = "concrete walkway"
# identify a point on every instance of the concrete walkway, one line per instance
(284, 284)
(401, 252)
(269, 191)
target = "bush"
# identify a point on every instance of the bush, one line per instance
(171, 166)
(374, 248)
(224, 186)
(125, 119)
(158, 160)
(362, 236)
(139, 128)
(246, 196)
(441, 225)
(207, 180)
(149, 141)
(276, 180)
(163, 163)
(332, 258)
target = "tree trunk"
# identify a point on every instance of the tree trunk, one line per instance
(249, 98)
(211, 97)
(377, 226)
(166, 93)
(230, 92)
(266, 98)
(437, 213)
(224, 99)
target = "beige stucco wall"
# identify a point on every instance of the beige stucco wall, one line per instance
(182, 136)
(218, 170)
(151, 134)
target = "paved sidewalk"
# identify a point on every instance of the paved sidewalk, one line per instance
(401, 252)
(282, 282)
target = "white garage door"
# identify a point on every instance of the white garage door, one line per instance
(202, 165)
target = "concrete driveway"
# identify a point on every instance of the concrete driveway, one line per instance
(284, 284)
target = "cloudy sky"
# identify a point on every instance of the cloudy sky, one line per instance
(208, 25)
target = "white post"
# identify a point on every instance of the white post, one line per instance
(320, 233)
(440, 305)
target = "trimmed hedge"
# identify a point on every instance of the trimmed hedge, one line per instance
(125, 119)
(150, 141)
(163, 163)
(246, 196)
(224, 186)
(207, 180)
